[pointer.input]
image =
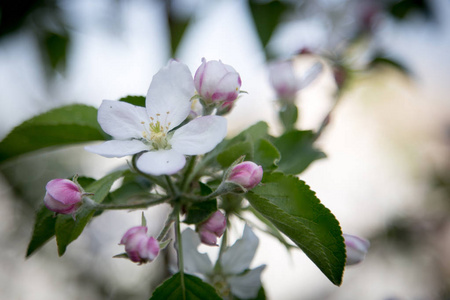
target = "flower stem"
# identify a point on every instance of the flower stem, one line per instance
(170, 219)
(172, 188)
(223, 246)
(185, 183)
(180, 254)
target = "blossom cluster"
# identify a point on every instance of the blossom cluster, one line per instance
(183, 116)
(158, 132)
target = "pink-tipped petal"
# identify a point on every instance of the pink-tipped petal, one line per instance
(217, 223)
(208, 237)
(356, 248)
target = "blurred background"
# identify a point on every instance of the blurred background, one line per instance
(386, 177)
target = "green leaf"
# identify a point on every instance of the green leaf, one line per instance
(266, 17)
(232, 153)
(44, 229)
(271, 229)
(404, 8)
(195, 289)
(255, 132)
(205, 190)
(294, 209)
(177, 27)
(135, 100)
(266, 155)
(383, 60)
(251, 143)
(67, 230)
(288, 115)
(200, 212)
(61, 126)
(133, 185)
(297, 151)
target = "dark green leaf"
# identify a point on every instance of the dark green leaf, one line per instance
(266, 17)
(257, 131)
(205, 190)
(44, 229)
(288, 115)
(55, 46)
(271, 229)
(133, 185)
(84, 181)
(67, 230)
(297, 151)
(402, 9)
(232, 153)
(294, 209)
(254, 132)
(135, 100)
(200, 212)
(177, 27)
(195, 289)
(382, 60)
(61, 126)
(266, 155)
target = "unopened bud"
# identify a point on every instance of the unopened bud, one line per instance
(356, 248)
(138, 246)
(247, 174)
(63, 196)
(217, 82)
(283, 80)
(212, 228)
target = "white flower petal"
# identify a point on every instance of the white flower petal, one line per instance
(200, 135)
(117, 148)
(161, 162)
(122, 120)
(238, 257)
(170, 91)
(246, 286)
(194, 261)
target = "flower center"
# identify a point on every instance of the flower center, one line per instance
(156, 133)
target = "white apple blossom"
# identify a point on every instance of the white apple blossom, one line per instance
(151, 129)
(234, 275)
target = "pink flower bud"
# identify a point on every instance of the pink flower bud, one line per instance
(247, 174)
(216, 81)
(212, 228)
(283, 80)
(63, 196)
(356, 248)
(140, 247)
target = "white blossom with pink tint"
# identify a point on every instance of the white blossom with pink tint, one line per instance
(212, 228)
(247, 174)
(356, 248)
(216, 81)
(237, 276)
(287, 83)
(139, 247)
(151, 129)
(63, 196)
